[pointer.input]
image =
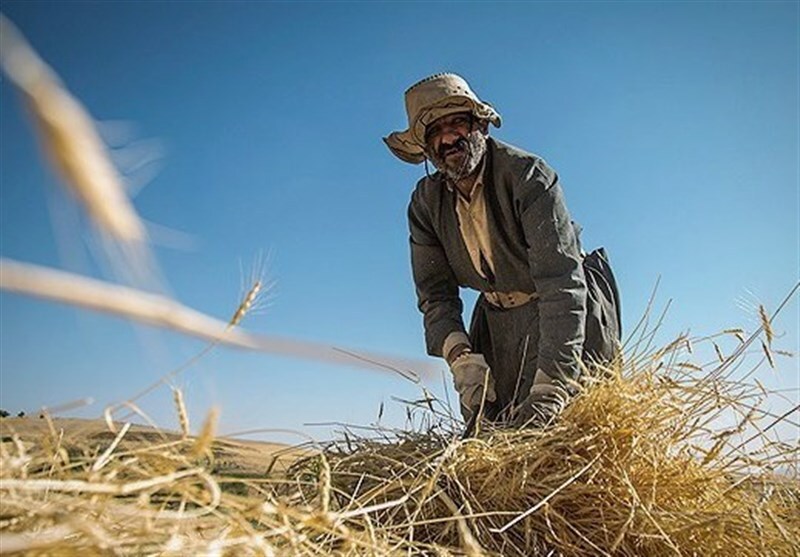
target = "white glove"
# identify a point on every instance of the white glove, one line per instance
(470, 375)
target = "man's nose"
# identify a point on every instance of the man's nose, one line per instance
(450, 135)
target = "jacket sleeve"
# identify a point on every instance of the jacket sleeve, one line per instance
(436, 285)
(555, 264)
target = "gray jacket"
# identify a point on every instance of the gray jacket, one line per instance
(535, 249)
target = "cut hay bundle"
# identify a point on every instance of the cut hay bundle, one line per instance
(628, 470)
(658, 457)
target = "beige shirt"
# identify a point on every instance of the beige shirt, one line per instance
(473, 223)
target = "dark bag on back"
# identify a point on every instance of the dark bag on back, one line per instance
(603, 309)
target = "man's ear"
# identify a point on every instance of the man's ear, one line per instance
(483, 125)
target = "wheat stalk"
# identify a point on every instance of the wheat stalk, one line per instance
(766, 324)
(246, 304)
(160, 311)
(69, 138)
(202, 444)
(183, 415)
(106, 456)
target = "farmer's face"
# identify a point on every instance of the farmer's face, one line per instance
(455, 145)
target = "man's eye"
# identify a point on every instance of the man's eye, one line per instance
(459, 121)
(432, 131)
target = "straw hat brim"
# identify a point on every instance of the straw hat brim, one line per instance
(409, 145)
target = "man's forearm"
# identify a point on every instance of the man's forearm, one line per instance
(437, 295)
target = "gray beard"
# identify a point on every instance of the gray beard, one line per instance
(476, 149)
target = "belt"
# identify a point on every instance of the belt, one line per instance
(507, 300)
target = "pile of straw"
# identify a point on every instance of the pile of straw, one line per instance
(628, 470)
(658, 456)
(655, 456)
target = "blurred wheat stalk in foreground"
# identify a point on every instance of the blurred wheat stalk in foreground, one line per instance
(71, 143)
(74, 147)
(154, 309)
(69, 138)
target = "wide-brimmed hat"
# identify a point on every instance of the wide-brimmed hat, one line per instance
(428, 100)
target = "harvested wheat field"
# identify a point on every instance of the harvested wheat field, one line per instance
(643, 462)
(670, 451)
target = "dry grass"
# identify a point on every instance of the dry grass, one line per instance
(73, 488)
(659, 456)
(628, 470)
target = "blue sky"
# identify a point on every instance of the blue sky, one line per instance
(673, 126)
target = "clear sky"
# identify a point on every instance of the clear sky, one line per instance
(673, 126)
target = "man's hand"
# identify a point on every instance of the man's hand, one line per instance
(546, 400)
(470, 376)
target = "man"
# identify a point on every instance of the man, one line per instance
(493, 219)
